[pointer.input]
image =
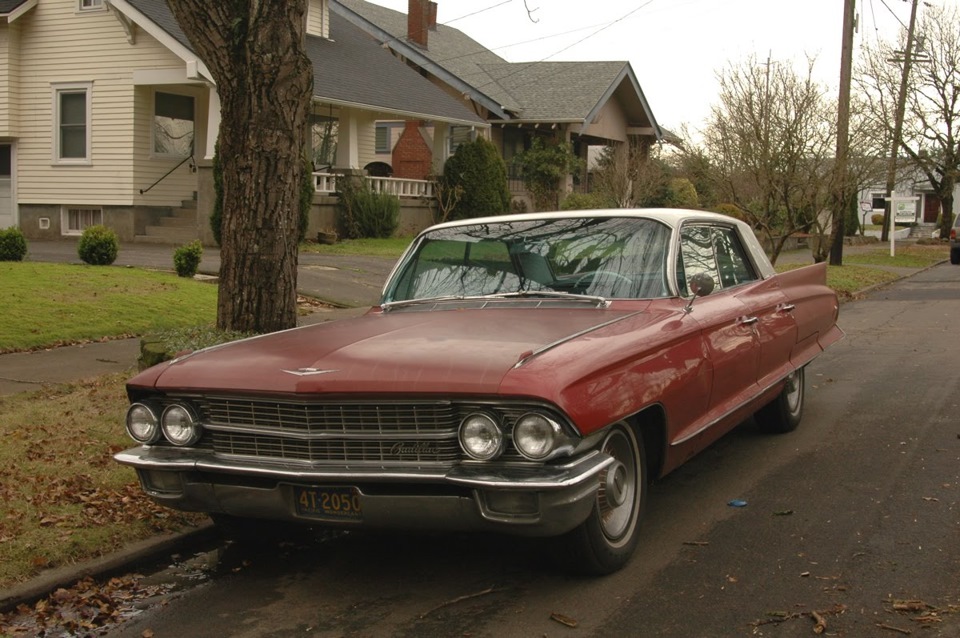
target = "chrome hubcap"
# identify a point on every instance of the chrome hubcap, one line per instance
(617, 496)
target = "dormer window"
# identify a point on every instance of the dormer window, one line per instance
(90, 5)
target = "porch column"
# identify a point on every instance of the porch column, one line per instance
(567, 186)
(348, 144)
(441, 131)
(213, 124)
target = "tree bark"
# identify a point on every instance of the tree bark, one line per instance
(255, 51)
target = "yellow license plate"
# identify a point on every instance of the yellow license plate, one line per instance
(328, 503)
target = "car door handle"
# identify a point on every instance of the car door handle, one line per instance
(747, 321)
(787, 307)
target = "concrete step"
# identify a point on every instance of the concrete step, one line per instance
(179, 221)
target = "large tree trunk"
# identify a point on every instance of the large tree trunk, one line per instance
(256, 54)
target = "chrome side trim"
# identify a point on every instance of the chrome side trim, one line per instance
(559, 342)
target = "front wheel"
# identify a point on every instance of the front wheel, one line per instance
(604, 542)
(783, 414)
(955, 256)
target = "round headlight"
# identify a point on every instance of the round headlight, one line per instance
(179, 425)
(535, 436)
(480, 437)
(143, 426)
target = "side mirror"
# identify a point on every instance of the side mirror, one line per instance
(700, 285)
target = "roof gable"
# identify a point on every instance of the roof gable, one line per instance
(542, 91)
(349, 69)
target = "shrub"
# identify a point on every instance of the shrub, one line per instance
(681, 194)
(13, 245)
(98, 246)
(363, 213)
(585, 201)
(166, 344)
(186, 259)
(876, 219)
(481, 174)
(543, 166)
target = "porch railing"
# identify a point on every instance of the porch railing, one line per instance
(326, 183)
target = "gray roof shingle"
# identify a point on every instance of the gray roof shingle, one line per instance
(6, 6)
(352, 69)
(530, 91)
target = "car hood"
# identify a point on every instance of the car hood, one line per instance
(415, 352)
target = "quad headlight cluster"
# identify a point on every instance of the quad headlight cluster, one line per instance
(177, 423)
(536, 436)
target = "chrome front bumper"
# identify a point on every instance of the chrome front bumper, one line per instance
(524, 500)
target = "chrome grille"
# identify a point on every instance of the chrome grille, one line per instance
(387, 434)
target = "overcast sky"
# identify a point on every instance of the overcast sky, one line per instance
(676, 47)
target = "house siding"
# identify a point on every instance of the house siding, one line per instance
(611, 123)
(62, 45)
(9, 79)
(318, 18)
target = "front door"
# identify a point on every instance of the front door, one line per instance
(931, 208)
(7, 210)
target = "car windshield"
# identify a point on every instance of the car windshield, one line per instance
(620, 257)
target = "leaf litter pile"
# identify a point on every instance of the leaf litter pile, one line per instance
(65, 499)
(85, 609)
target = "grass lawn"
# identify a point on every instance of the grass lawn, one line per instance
(390, 247)
(868, 268)
(55, 304)
(65, 499)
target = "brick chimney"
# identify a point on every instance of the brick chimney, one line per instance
(421, 19)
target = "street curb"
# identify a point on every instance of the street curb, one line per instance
(857, 295)
(121, 560)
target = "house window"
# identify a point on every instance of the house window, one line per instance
(75, 220)
(324, 132)
(382, 142)
(173, 128)
(90, 5)
(72, 123)
(458, 136)
(879, 200)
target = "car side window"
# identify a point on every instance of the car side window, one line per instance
(716, 251)
(732, 262)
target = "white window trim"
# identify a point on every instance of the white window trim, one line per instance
(70, 87)
(153, 131)
(91, 6)
(65, 219)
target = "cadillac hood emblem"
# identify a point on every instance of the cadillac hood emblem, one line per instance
(308, 372)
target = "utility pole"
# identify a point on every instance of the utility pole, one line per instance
(888, 210)
(842, 181)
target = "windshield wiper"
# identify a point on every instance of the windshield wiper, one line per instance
(427, 300)
(550, 294)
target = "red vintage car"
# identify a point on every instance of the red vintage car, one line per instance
(523, 374)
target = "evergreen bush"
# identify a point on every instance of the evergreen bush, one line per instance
(13, 245)
(480, 172)
(585, 201)
(186, 258)
(362, 213)
(98, 246)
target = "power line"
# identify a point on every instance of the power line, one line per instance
(585, 38)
